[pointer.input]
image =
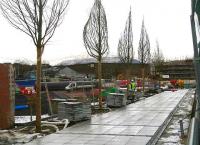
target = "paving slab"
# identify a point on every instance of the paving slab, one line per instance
(134, 124)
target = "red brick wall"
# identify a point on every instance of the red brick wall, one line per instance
(6, 96)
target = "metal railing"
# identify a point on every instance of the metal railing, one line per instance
(194, 129)
(193, 137)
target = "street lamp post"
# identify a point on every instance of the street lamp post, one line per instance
(195, 10)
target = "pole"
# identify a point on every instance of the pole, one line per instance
(181, 128)
(48, 97)
(196, 61)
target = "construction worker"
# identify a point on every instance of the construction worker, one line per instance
(131, 90)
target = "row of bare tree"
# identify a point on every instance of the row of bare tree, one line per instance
(39, 20)
(95, 37)
(125, 46)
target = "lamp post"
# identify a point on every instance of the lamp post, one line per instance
(196, 10)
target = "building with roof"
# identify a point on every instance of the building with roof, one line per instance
(111, 68)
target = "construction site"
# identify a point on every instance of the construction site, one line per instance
(70, 107)
(102, 99)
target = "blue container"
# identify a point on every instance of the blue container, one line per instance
(25, 83)
(21, 107)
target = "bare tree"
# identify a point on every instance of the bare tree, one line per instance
(157, 58)
(158, 54)
(144, 55)
(157, 61)
(125, 45)
(39, 20)
(95, 36)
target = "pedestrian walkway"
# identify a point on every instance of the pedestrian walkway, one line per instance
(135, 124)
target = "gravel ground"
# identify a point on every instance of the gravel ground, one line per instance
(172, 135)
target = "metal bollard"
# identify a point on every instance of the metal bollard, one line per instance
(181, 128)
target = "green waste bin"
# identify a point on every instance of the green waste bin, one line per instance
(108, 90)
(112, 90)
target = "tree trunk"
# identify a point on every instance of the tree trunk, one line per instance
(128, 73)
(143, 83)
(99, 84)
(39, 59)
(128, 78)
(38, 90)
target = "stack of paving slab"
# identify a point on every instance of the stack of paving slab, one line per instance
(54, 103)
(116, 100)
(74, 111)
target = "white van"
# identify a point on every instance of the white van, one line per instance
(79, 84)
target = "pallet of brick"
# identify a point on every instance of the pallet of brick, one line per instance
(116, 100)
(74, 111)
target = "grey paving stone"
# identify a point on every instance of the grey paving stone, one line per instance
(131, 130)
(116, 130)
(101, 129)
(138, 140)
(119, 140)
(134, 124)
(147, 131)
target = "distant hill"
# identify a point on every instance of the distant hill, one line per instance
(92, 60)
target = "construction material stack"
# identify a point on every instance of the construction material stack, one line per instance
(116, 100)
(74, 111)
(7, 96)
(55, 104)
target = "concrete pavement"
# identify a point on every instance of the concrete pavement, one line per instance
(136, 124)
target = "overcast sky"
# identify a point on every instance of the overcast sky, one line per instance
(167, 21)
